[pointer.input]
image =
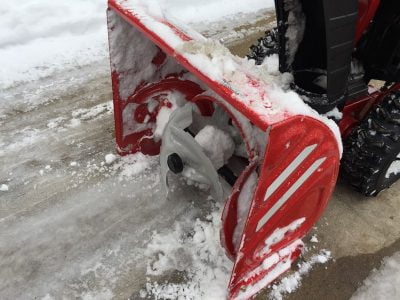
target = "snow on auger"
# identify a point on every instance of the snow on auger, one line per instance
(215, 117)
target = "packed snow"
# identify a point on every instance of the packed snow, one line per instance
(216, 144)
(383, 283)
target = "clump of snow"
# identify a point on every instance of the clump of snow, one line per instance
(394, 168)
(334, 113)
(110, 158)
(73, 164)
(314, 239)
(162, 120)
(292, 282)
(193, 248)
(217, 145)
(383, 283)
(4, 188)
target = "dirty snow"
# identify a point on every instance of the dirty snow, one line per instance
(383, 283)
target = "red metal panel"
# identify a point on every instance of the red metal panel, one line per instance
(366, 12)
(306, 193)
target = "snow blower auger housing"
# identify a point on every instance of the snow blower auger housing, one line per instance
(173, 89)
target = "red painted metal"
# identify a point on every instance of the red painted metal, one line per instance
(366, 12)
(286, 140)
(225, 91)
(355, 111)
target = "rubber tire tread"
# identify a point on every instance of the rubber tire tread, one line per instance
(372, 147)
(265, 46)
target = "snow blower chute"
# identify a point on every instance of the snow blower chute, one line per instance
(212, 116)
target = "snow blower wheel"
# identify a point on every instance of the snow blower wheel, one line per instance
(371, 160)
(264, 47)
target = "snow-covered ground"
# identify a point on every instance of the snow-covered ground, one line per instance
(38, 38)
(383, 283)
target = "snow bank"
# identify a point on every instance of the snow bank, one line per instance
(39, 38)
(209, 10)
(383, 283)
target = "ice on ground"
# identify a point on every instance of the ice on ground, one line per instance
(4, 188)
(383, 283)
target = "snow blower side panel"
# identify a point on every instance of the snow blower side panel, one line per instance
(143, 79)
(296, 180)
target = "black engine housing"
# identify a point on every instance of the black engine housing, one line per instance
(379, 49)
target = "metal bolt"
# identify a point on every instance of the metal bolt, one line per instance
(175, 163)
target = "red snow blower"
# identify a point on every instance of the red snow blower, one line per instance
(217, 119)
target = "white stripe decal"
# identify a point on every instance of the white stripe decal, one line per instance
(290, 192)
(289, 170)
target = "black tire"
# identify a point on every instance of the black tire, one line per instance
(373, 147)
(265, 46)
